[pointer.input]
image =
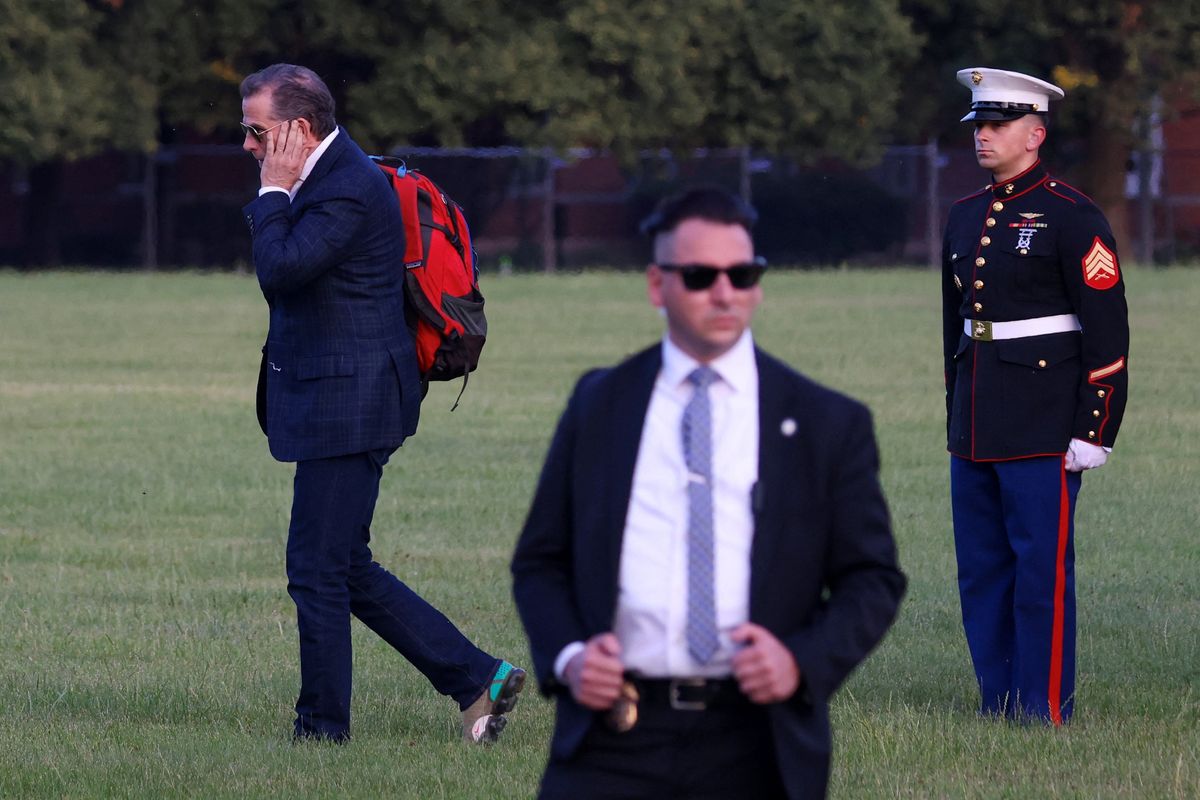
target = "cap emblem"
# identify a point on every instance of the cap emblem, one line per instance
(976, 77)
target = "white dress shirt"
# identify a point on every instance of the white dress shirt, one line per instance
(651, 610)
(309, 163)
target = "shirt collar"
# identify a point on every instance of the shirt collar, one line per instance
(1019, 184)
(735, 367)
(312, 159)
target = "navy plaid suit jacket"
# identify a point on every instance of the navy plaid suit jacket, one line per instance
(339, 372)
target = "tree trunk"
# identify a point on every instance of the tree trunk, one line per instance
(43, 216)
(1108, 149)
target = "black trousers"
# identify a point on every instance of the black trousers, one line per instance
(721, 753)
(332, 574)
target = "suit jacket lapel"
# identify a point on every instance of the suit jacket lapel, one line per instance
(628, 414)
(778, 471)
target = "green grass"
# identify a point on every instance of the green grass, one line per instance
(147, 643)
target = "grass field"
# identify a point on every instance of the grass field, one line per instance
(148, 646)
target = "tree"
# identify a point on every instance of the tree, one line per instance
(1113, 57)
(78, 78)
(57, 100)
(812, 78)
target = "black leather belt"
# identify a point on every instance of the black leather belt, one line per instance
(689, 694)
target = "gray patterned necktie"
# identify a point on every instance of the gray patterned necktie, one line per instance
(701, 628)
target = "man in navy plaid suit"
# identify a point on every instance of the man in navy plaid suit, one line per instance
(338, 393)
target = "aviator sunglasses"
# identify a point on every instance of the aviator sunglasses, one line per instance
(697, 277)
(258, 135)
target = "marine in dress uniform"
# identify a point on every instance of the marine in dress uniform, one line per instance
(1036, 342)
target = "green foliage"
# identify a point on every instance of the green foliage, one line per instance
(57, 92)
(807, 79)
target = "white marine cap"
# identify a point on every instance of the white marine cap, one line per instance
(997, 94)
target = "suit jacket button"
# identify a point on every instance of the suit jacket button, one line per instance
(997, 206)
(991, 223)
(979, 262)
(1100, 393)
(1091, 434)
(985, 241)
(1042, 363)
(978, 284)
(1096, 413)
(979, 306)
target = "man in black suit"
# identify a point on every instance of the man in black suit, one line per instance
(708, 554)
(338, 393)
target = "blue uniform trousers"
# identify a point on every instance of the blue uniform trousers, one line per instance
(332, 575)
(1014, 539)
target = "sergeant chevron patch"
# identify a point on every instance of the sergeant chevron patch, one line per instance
(1100, 270)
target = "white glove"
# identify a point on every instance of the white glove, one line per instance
(1082, 455)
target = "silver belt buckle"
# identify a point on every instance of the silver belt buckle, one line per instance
(685, 705)
(981, 330)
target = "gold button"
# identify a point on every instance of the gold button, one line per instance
(979, 262)
(1096, 413)
(1054, 183)
(1024, 251)
(997, 206)
(991, 223)
(1042, 363)
(1100, 393)
(1091, 434)
(953, 256)
(979, 306)
(1008, 190)
(978, 284)
(985, 241)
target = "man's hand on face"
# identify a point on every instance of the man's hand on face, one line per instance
(285, 150)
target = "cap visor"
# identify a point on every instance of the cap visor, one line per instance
(992, 115)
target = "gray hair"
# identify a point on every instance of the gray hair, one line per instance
(296, 93)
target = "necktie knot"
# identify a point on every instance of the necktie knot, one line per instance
(702, 377)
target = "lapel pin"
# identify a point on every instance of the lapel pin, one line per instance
(788, 427)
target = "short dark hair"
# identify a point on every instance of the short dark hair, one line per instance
(296, 93)
(710, 203)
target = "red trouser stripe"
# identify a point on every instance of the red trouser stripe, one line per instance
(1060, 585)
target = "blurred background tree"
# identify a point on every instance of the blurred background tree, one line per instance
(1114, 58)
(807, 79)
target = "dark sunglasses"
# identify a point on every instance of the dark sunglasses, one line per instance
(697, 277)
(250, 130)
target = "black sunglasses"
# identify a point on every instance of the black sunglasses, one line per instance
(697, 277)
(250, 130)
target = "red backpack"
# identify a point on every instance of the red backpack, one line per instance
(443, 304)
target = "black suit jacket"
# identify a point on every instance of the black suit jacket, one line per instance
(824, 575)
(339, 372)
